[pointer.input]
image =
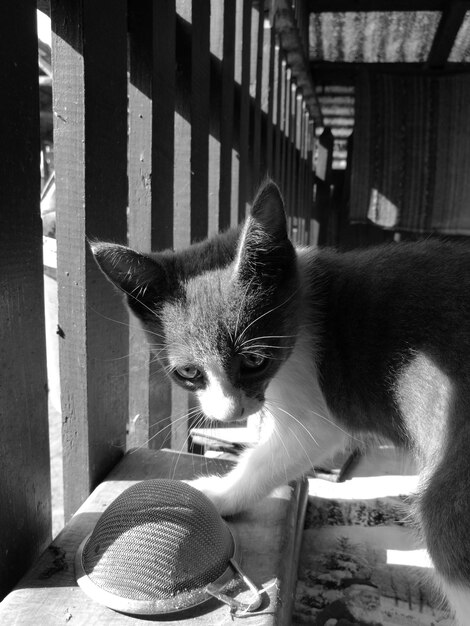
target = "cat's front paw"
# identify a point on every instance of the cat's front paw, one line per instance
(218, 492)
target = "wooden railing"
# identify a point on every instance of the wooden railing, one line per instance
(175, 109)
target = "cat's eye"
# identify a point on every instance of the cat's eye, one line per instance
(253, 361)
(188, 372)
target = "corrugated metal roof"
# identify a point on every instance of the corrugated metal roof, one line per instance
(373, 37)
(376, 37)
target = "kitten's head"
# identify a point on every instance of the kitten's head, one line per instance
(221, 315)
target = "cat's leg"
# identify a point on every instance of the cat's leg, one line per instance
(459, 600)
(287, 453)
(443, 510)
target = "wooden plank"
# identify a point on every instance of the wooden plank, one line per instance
(151, 145)
(278, 111)
(191, 153)
(200, 106)
(244, 132)
(290, 85)
(222, 28)
(215, 147)
(257, 29)
(300, 168)
(268, 535)
(284, 112)
(237, 70)
(227, 206)
(333, 6)
(182, 185)
(270, 95)
(313, 224)
(447, 30)
(294, 160)
(90, 145)
(24, 445)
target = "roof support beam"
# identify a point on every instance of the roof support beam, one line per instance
(333, 6)
(446, 32)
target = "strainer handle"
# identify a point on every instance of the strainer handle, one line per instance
(217, 591)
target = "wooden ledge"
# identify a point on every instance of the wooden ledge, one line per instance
(269, 535)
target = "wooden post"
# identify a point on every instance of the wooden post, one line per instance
(270, 86)
(244, 139)
(278, 111)
(323, 180)
(151, 149)
(24, 445)
(222, 27)
(191, 152)
(256, 84)
(90, 144)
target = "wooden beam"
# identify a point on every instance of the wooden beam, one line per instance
(90, 146)
(333, 6)
(150, 171)
(24, 444)
(446, 32)
(292, 42)
(345, 74)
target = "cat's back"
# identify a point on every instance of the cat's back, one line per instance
(379, 305)
(404, 267)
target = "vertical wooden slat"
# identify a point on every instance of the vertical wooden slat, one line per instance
(285, 125)
(24, 445)
(191, 151)
(288, 146)
(90, 143)
(256, 80)
(323, 191)
(151, 141)
(227, 207)
(313, 228)
(303, 185)
(244, 128)
(215, 147)
(270, 89)
(200, 106)
(237, 76)
(298, 156)
(223, 20)
(278, 112)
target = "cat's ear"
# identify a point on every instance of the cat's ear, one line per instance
(268, 212)
(143, 279)
(264, 249)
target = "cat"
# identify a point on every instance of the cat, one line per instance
(328, 346)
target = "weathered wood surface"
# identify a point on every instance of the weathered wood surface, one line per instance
(151, 179)
(24, 443)
(90, 144)
(268, 535)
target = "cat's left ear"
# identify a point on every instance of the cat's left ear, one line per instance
(142, 278)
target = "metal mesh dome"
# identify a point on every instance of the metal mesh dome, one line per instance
(155, 549)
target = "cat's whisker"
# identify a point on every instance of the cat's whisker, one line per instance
(269, 337)
(298, 422)
(298, 440)
(173, 421)
(285, 449)
(326, 419)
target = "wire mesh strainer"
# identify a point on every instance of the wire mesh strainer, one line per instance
(160, 547)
